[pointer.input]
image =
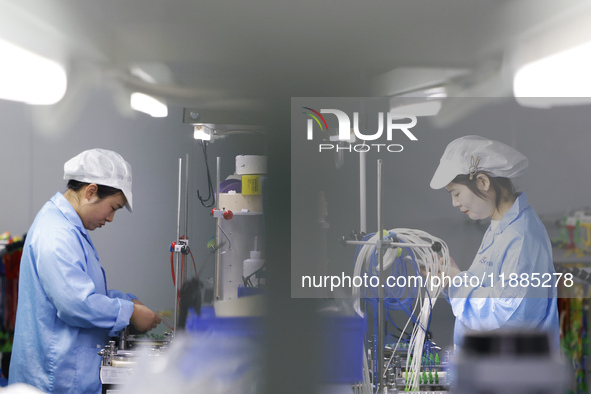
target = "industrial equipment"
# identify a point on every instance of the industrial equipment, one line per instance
(121, 356)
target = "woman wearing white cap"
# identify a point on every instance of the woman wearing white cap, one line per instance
(65, 312)
(504, 288)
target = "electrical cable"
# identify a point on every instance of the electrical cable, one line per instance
(211, 192)
(401, 298)
(240, 131)
(165, 322)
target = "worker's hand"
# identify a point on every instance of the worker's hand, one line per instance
(447, 275)
(142, 318)
(453, 269)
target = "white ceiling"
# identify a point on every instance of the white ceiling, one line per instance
(224, 53)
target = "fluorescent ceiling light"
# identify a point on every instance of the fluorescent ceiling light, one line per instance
(149, 105)
(560, 79)
(30, 78)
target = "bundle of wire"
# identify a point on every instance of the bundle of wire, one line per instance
(394, 263)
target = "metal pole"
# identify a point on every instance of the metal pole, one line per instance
(186, 206)
(363, 179)
(217, 179)
(216, 281)
(186, 194)
(381, 385)
(388, 243)
(178, 220)
(362, 193)
(178, 237)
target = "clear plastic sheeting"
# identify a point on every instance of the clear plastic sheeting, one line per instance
(202, 362)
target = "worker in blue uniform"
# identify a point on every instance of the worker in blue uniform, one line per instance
(65, 311)
(511, 282)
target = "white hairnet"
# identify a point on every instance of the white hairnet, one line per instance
(103, 167)
(470, 154)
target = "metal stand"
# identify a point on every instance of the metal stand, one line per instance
(217, 274)
(182, 245)
(178, 237)
(380, 246)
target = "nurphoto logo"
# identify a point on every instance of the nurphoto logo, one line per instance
(346, 133)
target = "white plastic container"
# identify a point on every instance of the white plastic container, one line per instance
(252, 265)
(251, 165)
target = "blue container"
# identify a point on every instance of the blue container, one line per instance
(341, 340)
(220, 354)
(244, 291)
(231, 326)
(342, 345)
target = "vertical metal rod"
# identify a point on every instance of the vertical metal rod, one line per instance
(216, 290)
(178, 237)
(363, 178)
(186, 195)
(380, 288)
(362, 193)
(178, 220)
(217, 185)
(186, 234)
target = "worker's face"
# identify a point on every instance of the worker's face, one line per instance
(469, 203)
(96, 212)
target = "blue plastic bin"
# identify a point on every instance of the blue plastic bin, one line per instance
(343, 349)
(232, 326)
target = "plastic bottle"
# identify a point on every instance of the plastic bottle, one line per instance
(253, 264)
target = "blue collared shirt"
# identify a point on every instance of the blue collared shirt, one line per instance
(511, 282)
(65, 312)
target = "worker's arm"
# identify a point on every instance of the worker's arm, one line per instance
(507, 302)
(62, 269)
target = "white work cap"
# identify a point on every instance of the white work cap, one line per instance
(103, 167)
(470, 154)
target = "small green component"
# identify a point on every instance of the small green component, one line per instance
(436, 378)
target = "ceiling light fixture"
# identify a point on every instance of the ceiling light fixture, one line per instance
(562, 78)
(29, 78)
(149, 105)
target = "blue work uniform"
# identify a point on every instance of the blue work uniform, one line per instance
(489, 297)
(65, 312)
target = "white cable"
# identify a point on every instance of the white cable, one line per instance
(433, 264)
(366, 384)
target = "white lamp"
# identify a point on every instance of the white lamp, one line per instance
(28, 77)
(560, 79)
(149, 105)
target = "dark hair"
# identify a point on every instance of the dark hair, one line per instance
(500, 185)
(102, 191)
